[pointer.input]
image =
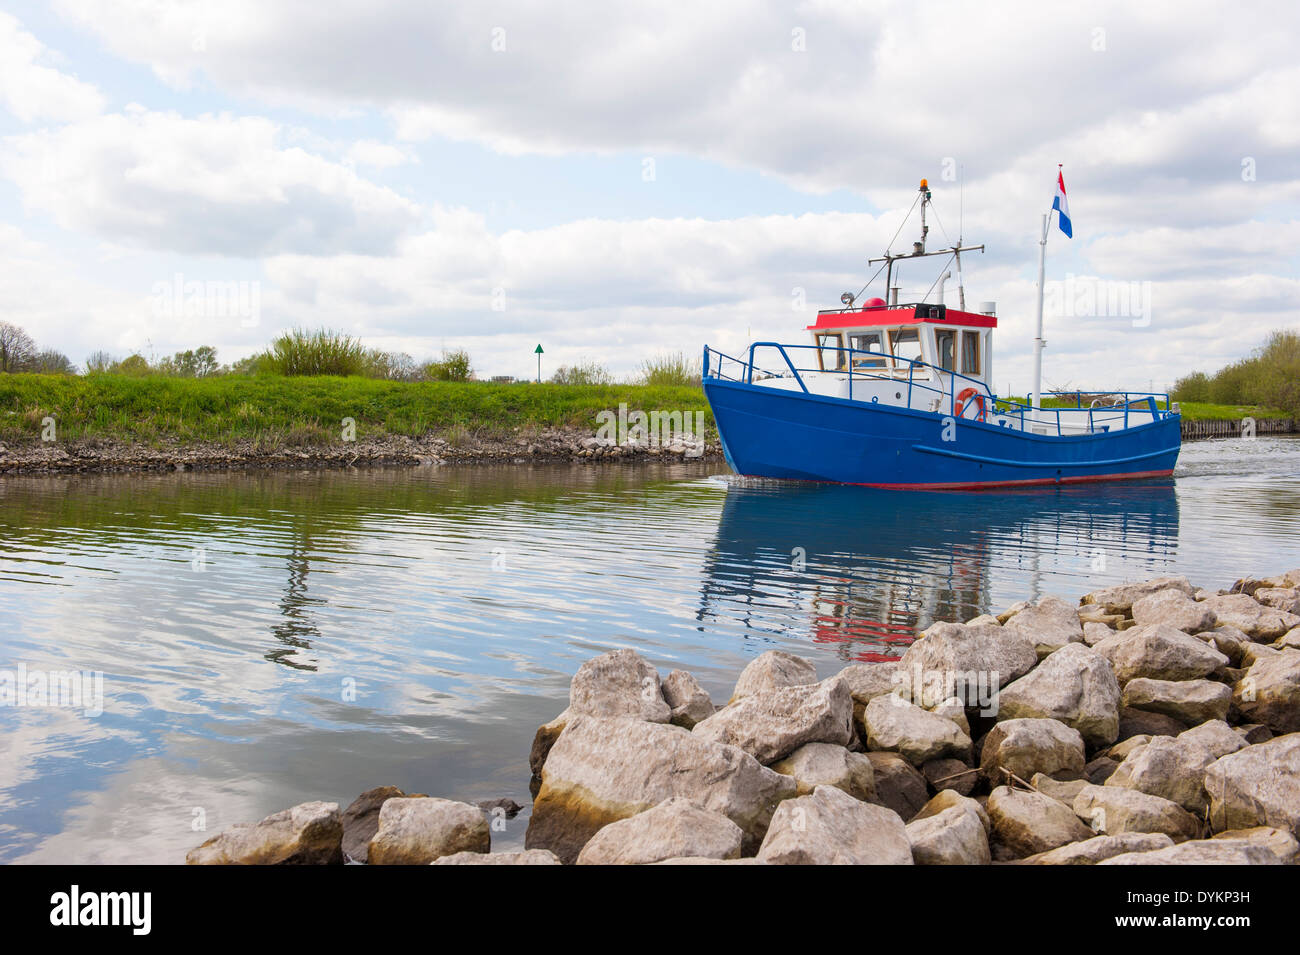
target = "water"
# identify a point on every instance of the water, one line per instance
(269, 639)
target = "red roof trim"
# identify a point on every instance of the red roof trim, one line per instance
(878, 316)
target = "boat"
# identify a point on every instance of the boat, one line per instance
(895, 395)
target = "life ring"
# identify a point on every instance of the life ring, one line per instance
(962, 397)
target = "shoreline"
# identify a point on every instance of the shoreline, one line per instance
(1149, 723)
(548, 445)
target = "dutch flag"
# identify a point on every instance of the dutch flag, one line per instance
(1062, 206)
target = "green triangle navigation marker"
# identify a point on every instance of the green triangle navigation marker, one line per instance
(538, 352)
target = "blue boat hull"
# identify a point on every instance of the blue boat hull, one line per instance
(769, 432)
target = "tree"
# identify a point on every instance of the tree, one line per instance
(16, 348)
(51, 362)
(99, 362)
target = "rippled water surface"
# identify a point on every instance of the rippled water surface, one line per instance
(268, 639)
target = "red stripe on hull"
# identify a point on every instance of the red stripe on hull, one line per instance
(1033, 482)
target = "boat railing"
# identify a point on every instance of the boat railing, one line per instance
(1030, 419)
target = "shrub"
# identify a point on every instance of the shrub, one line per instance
(453, 366)
(583, 373)
(322, 352)
(671, 369)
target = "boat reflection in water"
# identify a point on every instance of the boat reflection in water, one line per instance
(865, 569)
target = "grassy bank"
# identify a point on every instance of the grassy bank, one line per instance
(306, 410)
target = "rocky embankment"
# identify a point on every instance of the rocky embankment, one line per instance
(1152, 724)
(555, 444)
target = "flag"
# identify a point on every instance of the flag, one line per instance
(1062, 206)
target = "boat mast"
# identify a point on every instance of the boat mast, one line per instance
(1038, 340)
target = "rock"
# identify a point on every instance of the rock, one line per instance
(673, 829)
(687, 701)
(1174, 608)
(895, 725)
(1216, 736)
(1100, 769)
(361, 820)
(310, 833)
(972, 663)
(1027, 823)
(1229, 641)
(697, 860)
(1094, 633)
(1062, 790)
(1278, 841)
(1172, 768)
(955, 710)
(953, 774)
(1029, 746)
(1279, 598)
(771, 724)
(527, 857)
(1011, 611)
(827, 764)
(1121, 749)
(1159, 652)
(947, 799)
(1270, 692)
(1189, 701)
(1094, 850)
(899, 786)
(1076, 686)
(417, 831)
(543, 740)
(773, 670)
(602, 770)
(1134, 723)
(869, 680)
(618, 683)
(1251, 617)
(1201, 852)
(1256, 786)
(1288, 640)
(830, 827)
(952, 837)
(1120, 599)
(1095, 613)
(1253, 732)
(1050, 623)
(1114, 809)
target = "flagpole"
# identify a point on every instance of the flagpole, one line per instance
(1038, 339)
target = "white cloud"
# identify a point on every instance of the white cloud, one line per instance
(214, 184)
(33, 91)
(368, 152)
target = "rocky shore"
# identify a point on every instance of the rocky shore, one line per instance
(1150, 724)
(554, 444)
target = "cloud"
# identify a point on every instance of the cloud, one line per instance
(36, 92)
(214, 184)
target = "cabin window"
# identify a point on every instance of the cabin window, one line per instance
(830, 351)
(905, 343)
(970, 353)
(946, 339)
(867, 341)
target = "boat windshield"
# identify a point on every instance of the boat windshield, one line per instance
(905, 343)
(867, 341)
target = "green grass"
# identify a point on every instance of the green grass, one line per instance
(1200, 411)
(275, 410)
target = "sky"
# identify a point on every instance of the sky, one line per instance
(620, 181)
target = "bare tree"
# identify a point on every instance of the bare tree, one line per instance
(16, 348)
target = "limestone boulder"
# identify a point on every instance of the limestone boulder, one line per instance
(896, 725)
(1201, 852)
(361, 820)
(1028, 746)
(969, 662)
(1216, 736)
(948, 799)
(1094, 850)
(602, 770)
(950, 773)
(1256, 786)
(1288, 641)
(310, 833)
(1050, 622)
(773, 670)
(828, 764)
(954, 836)
(1134, 723)
(1229, 641)
(869, 680)
(1279, 598)
(687, 701)
(543, 740)
(1062, 790)
(1094, 632)
(1280, 842)
(618, 684)
(418, 831)
(899, 785)
(1188, 701)
(1269, 693)
(1159, 652)
(772, 724)
(1027, 823)
(527, 857)
(1168, 767)
(830, 827)
(1110, 810)
(1120, 599)
(673, 829)
(1174, 608)
(1254, 619)
(1076, 686)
